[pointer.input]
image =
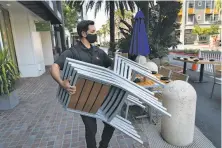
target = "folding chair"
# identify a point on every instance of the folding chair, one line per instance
(217, 70)
(128, 69)
(104, 94)
(165, 71)
(179, 76)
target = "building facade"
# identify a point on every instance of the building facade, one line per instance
(196, 12)
(31, 48)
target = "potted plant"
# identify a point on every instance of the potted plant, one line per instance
(8, 75)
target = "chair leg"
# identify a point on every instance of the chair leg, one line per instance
(127, 110)
(212, 91)
(150, 114)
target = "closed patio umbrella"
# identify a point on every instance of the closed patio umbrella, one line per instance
(139, 42)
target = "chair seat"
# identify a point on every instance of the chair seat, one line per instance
(218, 80)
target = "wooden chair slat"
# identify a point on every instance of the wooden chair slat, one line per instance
(101, 97)
(74, 98)
(93, 95)
(85, 94)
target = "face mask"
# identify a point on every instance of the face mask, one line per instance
(91, 38)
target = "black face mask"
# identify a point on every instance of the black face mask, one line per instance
(91, 38)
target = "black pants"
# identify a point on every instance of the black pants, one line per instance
(90, 133)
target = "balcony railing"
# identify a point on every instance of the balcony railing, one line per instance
(216, 11)
(190, 11)
(208, 11)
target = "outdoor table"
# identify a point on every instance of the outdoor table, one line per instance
(147, 82)
(201, 62)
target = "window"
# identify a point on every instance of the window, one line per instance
(199, 3)
(190, 19)
(216, 18)
(189, 38)
(208, 17)
(191, 4)
(198, 17)
(208, 4)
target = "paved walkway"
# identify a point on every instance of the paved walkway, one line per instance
(40, 121)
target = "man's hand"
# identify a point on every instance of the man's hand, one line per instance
(55, 72)
(66, 85)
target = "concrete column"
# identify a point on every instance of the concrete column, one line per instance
(179, 97)
(27, 41)
(47, 47)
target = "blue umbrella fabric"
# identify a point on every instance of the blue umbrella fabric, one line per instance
(139, 42)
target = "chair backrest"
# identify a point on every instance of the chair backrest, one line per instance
(217, 70)
(179, 76)
(164, 71)
(128, 69)
(207, 55)
(123, 54)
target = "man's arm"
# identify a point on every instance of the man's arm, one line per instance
(108, 62)
(55, 72)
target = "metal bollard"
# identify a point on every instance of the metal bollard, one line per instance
(179, 97)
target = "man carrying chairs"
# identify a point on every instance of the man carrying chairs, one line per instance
(85, 52)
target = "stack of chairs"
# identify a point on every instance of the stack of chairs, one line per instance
(101, 94)
(129, 69)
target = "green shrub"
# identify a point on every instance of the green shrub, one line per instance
(8, 73)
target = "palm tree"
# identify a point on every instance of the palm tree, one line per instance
(105, 30)
(99, 33)
(110, 7)
(218, 6)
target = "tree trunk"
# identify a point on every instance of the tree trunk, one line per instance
(112, 26)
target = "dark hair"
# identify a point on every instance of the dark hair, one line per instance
(83, 26)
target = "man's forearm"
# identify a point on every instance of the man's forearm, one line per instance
(55, 73)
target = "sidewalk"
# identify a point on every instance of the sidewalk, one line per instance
(39, 121)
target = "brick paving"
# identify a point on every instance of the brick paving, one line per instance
(39, 121)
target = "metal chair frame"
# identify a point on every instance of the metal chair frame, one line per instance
(216, 79)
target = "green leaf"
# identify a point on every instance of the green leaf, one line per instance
(4, 79)
(1, 85)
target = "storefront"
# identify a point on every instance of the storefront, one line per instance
(6, 37)
(29, 47)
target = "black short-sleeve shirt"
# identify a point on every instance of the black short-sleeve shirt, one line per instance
(94, 55)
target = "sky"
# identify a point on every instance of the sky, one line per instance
(100, 19)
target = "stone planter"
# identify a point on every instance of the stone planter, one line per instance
(9, 101)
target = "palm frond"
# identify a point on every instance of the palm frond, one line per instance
(131, 5)
(125, 5)
(89, 5)
(97, 7)
(121, 6)
(107, 7)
